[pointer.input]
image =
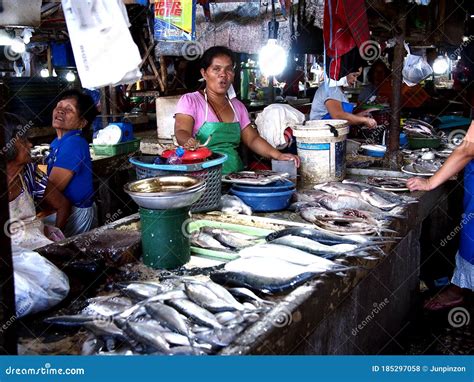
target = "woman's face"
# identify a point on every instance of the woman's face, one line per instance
(219, 75)
(23, 151)
(352, 77)
(66, 115)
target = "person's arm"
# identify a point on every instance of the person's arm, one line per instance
(183, 130)
(58, 180)
(335, 110)
(260, 146)
(460, 157)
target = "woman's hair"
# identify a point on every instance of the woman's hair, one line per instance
(215, 51)
(15, 128)
(85, 104)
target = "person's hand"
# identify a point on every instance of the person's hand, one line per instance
(370, 123)
(191, 144)
(419, 184)
(292, 157)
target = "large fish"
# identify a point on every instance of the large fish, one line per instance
(271, 274)
(316, 248)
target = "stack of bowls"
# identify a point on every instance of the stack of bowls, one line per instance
(166, 192)
(274, 196)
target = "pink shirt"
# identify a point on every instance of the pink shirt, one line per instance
(194, 105)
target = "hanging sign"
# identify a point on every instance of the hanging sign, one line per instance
(175, 20)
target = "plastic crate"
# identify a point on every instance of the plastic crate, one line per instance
(210, 171)
(118, 149)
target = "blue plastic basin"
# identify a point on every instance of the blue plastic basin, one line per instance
(278, 186)
(265, 201)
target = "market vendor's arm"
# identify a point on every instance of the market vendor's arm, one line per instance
(460, 157)
(58, 180)
(183, 130)
(260, 146)
(335, 109)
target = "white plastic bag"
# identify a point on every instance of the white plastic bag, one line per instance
(415, 68)
(39, 284)
(103, 47)
(274, 119)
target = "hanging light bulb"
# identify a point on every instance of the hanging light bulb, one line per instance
(70, 76)
(44, 73)
(440, 65)
(272, 57)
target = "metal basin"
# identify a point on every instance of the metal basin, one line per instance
(162, 193)
(164, 186)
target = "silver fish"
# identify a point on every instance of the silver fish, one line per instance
(248, 295)
(105, 329)
(205, 298)
(168, 317)
(204, 240)
(234, 205)
(223, 294)
(376, 200)
(195, 313)
(316, 248)
(140, 290)
(148, 333)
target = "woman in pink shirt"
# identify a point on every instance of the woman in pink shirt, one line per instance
(211, 113)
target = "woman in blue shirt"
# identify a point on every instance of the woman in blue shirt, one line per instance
(69, 162)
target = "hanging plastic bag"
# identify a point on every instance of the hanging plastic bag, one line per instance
(39, 284)
(103, 48)
(415, 68)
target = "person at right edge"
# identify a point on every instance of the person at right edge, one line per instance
(462, 282)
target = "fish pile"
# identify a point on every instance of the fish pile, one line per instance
(350, 207)
(221, 239)
(419, 129)
(277, 268)
(180, 315)
(387, 182)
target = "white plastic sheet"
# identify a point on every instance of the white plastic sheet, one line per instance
(103, 47)
(39, 284)
(274, 119)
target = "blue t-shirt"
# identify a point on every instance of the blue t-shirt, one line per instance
(72, 153)
(318, 106)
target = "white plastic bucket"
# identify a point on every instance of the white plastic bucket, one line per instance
(321, 146)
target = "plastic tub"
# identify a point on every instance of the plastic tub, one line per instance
(278, 186)
(265, 201)
(118, 149)
(321, 146)
(421, 143)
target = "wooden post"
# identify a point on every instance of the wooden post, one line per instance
(49, 63)
(8, 340)
(113, 103)
(103, 107)
(393, 158)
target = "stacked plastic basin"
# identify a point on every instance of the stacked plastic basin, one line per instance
(275, 196)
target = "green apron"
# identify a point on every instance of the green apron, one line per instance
(225, 140)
